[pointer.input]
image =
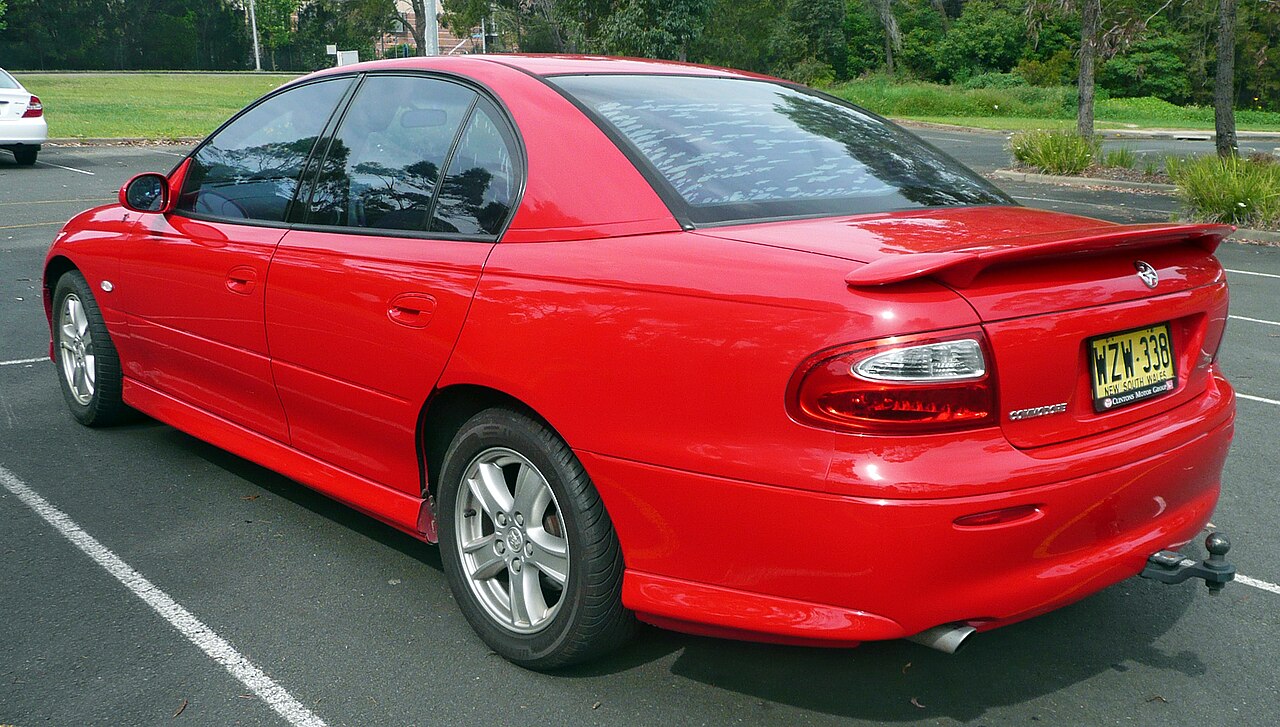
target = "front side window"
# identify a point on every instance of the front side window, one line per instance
(731, 149)
(250, 169)
(384, 163)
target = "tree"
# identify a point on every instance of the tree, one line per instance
(892, 36)
(422, 26)
(655, 28)
(1224, 87)
(2, 9)
(275, 24)
(1090, 16)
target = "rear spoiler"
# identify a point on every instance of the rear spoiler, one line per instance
(958, 268)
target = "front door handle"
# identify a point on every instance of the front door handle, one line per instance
(242, 279)
(412, 309)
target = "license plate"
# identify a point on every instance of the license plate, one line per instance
(1131, 366)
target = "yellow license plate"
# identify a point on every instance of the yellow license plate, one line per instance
(1131, 366)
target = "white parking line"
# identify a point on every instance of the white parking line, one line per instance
(1258, 584)
(69, 169)
(180, 618)
(1255, 320)
(1249, 272)
(170, 153)
(1257, 398)
(15, 362)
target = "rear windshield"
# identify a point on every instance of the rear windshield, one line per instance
(7, 81)
(729, 150)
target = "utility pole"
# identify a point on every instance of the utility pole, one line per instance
(432, 29)
(253, 24)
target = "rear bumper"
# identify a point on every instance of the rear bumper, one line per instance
(23, 131)
(728, 558)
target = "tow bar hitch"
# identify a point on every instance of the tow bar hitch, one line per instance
(1169, 566)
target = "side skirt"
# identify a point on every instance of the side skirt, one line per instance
(389, 505)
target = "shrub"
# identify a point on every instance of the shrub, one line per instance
(1122, 158)
(994, 80)
(1056, 70)
(1232, 190)
(1054, 152)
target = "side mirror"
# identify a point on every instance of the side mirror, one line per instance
(147, 192)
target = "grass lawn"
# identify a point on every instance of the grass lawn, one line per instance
(1031, 107)
(171, 105)
(147, 105)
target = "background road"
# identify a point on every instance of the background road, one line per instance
(356, 622)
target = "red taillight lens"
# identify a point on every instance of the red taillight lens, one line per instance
(903, 385)
(34, 108)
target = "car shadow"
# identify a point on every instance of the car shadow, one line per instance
(890, 681)
(302, 496)
(898, 681)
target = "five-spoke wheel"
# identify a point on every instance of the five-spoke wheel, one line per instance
(529, 550)
(88, 367)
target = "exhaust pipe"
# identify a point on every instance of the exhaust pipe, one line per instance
(947, 638)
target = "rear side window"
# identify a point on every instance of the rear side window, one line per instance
(249, 170)
(728, 150)
(475, 198)
(385, 161)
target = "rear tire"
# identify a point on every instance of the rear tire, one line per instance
(86, 360)
(26, 155)
(529, 551)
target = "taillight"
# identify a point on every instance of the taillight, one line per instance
(903, 385)
(34, 108)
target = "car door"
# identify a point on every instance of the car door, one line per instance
(368, 293)
(191, 282)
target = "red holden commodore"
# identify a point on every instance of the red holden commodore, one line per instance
(646, 341)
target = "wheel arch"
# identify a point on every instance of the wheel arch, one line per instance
(444, 413)
(54, 268)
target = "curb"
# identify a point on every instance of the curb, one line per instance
(1241, 235)
(1246, 236)
(122, 141)
(1080, 181)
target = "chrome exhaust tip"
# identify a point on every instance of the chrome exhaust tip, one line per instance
(947, 638)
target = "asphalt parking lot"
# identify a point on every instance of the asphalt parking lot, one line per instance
(351, 622)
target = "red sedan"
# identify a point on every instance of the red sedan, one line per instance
(638, 340)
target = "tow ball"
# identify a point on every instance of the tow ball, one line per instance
(1169, 566)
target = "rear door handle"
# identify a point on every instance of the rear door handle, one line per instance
(412, 309)
(242, 279)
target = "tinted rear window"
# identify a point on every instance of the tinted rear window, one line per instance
(727, 150)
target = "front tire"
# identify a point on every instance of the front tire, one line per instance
(529, 551)
(86, 360)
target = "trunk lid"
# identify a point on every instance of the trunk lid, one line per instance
(1043, 297)
(13, 103)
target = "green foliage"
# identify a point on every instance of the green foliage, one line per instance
(1149, 168)
(994, 80)
(1151, 66)
(1122, 158)
(1056, 70)
(986, 37)
(3, 7)
(738, 34)
(1054, 152)
(865, 39)
(655, 28)
(1232, 190)
(921, 99)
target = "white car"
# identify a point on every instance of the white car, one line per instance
(22, 126)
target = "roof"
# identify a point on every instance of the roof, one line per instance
(550, 65)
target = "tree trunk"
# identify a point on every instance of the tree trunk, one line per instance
(1088, 51)
(1224, 86)
(888, 53)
